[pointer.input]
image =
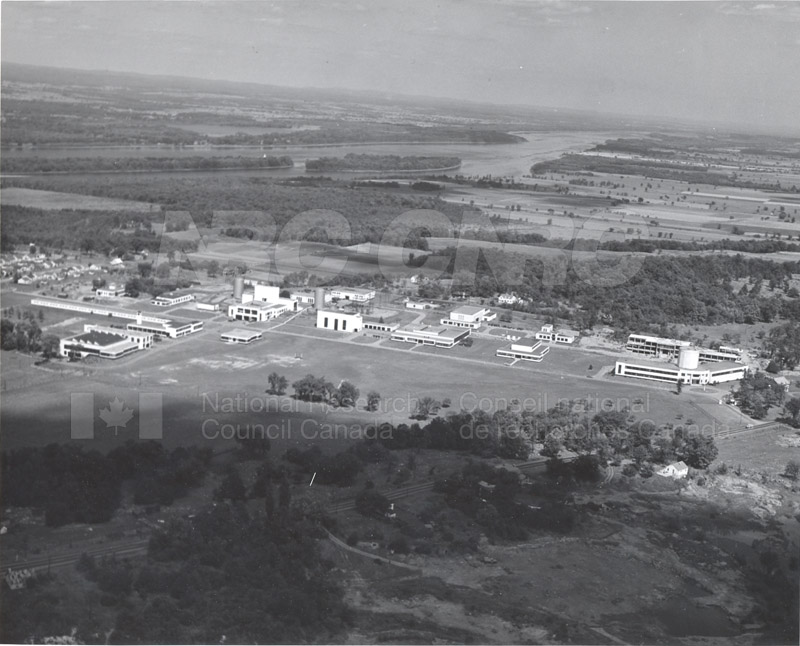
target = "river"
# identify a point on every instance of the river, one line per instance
(499, 160)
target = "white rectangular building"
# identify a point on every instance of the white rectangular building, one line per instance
(704, 373)
(143, 340)
(172, 298)
(106, 345)
(110, 291)
(355, 294)
(440, 336)
(548, 333)
(655, 346)
(256, 311)
(238, 335)
(168, 329)
(468, 316)
(524, 352)
(339, 321)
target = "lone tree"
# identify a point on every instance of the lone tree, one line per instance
(792, 470)
(373, 399)
(426, 406)
(277, 383)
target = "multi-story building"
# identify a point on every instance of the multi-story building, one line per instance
(256, 311)
(106, 345)
(688, 369)
(548, 333)
(655, 346)
(339, 321)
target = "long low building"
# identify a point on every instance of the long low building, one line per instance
(701, 374)
(172, 298)
(93, 308)
(168, 329)
(524, 352)
(241, 336)
(439, 336)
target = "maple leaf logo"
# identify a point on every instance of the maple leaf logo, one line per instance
(116, 415)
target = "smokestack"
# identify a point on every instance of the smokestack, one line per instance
(138, 318)
(238, 287)
(319, 299)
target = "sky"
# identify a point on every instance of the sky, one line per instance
(725, 62)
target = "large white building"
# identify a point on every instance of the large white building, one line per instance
(256, 311)
(103, 344)
(339, 321)
(439, 336)
(355, 294)
(167, 329)
(688, 370)
(143, 340)
(468, 316)
(97, 309)
(654, 346)
(524, 352)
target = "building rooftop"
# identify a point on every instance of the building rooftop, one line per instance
(96, 337)
(240, 333)
(468, 310)
(669, 365)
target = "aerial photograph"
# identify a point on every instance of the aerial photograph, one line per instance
(400, 322)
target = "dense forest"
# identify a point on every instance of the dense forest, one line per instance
(640, 293)
(75, 486)
(353, 162)
(138, 164)
(222, 576)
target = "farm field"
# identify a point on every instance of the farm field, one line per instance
(57, 201)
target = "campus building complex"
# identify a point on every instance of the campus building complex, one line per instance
(689, 369)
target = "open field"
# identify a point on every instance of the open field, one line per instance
(57, 201)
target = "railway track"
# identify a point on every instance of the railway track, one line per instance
(744, 430)
(130, 548)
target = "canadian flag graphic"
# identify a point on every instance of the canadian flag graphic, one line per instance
(116, 414)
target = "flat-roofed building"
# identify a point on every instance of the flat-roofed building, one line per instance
(524, 351)
(339, 321)
(689, 371)
(239, 335)
(110, 291)
(355, 294)
(655, 346)
(168, 329)
(550, 334)
(377, 326)
(97, 309)
(106, 345)
(468, 316)
(143, 340)
(439, 336)
(172, 298)
(256, 311)
(420, 305)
